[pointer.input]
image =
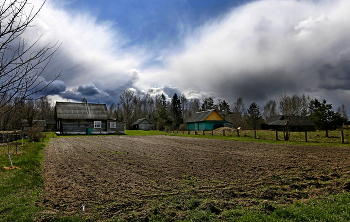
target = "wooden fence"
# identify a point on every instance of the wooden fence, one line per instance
(335, 136)
(9, 137)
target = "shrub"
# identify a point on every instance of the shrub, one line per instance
(167, 129)
(182, 127)
(35, 134)
(161, 124)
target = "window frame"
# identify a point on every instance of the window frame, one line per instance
(112, 125)
(96, 123)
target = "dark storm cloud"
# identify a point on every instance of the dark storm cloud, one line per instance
(263, 49)
(89, 92)
(52, 88)
(335, 76)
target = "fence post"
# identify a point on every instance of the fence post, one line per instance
(188, 132)
(276, 135)
(305, 136)
(223, 132)
(342, 136)
(212, 132)
(237, 132)
(203, 132)
(254, 134)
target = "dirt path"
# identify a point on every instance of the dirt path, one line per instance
(114, 174)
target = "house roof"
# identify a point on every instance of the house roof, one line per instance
(281, 120)
(201, 116)
(139, 121)
(68, 110)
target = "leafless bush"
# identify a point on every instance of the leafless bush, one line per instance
(35, 134)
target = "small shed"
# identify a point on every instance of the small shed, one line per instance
(85, 118)
(206, 120)
(296, 123)
(141, 124)
(41, 124)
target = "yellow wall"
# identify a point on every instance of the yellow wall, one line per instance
(214, 116)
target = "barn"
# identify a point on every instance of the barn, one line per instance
(85, 118)
(295, 123)
(206, 120)
(141, 124)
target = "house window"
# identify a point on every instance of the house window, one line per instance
(113, 125)
(97, 124)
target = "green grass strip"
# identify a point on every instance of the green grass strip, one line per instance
(20, 188)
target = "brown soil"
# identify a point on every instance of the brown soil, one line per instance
(120, 175)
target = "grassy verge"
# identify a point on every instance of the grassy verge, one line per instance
(333, 208)
(264, 136)
(20, 188)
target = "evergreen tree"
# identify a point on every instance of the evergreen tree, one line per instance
(162, 116)
(254, 116)
(176, 110)
(224, 109)
(323, 116)
(163, 101)
(208, 104)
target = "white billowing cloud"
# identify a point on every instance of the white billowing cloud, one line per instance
(90, 51)
(262, 49)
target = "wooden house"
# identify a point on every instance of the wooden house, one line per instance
(85, 118)
(141, 124)
(206, 120)
(295, 123)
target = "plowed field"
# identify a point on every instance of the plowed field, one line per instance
(126, 177)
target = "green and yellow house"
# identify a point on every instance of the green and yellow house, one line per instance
(206, 120)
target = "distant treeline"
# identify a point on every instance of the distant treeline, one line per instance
(173, 114)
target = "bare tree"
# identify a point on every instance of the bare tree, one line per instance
(21, 65)
(193, 106)
(342, 111)
(270, 109)
(293, 105)
(126, 101)
(238, 110)
(112, 109)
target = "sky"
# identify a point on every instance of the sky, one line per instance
(225, 49)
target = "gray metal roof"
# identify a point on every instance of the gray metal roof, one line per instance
(200, 116)
(280, 120)
(68, 110)
(141, 120)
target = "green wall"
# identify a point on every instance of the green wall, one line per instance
(206, 125)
